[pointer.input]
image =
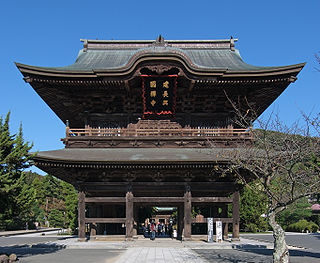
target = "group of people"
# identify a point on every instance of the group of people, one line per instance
(159, 229)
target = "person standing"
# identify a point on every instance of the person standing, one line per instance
(170, 230)
(153, 230)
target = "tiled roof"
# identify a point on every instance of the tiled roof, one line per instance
(206, 55)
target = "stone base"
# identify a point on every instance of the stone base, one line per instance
(110, 238)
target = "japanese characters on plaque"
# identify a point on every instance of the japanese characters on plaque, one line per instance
(159, 95)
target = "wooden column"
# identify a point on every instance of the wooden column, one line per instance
(81, 216)
(129, 215)
(236, 216)
(93, 226)
(180, 222)
(226, 225)
(225, 231)
(135, 220)
(187, 213)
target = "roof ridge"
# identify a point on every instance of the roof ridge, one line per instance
(125, 44)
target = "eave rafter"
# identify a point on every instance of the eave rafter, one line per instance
(54, 164)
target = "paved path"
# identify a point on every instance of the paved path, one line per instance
(310, 241)
(159, 255)
(162, 250)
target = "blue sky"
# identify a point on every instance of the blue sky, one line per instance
(47, 33)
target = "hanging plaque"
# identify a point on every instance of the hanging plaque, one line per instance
(159, 94)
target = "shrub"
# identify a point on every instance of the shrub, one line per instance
(303, 226)
(56, 218)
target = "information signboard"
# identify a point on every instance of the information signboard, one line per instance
(210, 229)
(219, 231)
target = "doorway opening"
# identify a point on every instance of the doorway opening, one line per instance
(164, 218)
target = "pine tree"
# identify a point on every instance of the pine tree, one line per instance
(14, 158)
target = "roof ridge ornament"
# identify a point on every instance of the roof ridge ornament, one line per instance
(160, 41)
(232, 44)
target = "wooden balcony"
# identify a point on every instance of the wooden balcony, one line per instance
(155, 133)
(183, 132)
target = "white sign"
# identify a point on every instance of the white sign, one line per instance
(219, 231)
(210, 229)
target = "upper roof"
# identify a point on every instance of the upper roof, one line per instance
(210, 73)
(120, 55)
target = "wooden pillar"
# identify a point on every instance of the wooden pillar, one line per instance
(180, 222)
(93, 226)
(187, 213)
(226, 225)
(135, 220)
(225, 231)
(129, 215)
(99, 214)
(81, 216)
(236, 216)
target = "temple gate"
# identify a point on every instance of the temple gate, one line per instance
(145, 121)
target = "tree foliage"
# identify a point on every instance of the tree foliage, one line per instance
(14, 158)
(26, 197)
(253, 208)
(284, 161)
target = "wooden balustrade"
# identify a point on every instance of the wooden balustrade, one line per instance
(182, 132)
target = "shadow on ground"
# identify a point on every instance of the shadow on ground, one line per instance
(254, 255)
(27, 250)
(316, 235)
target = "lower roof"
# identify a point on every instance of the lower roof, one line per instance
(135, 155)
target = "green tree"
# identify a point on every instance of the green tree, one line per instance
(295, 212)
(253, 208)
(70, 197)
(284, 161)
(14, 158)
(54, 194)
(56, 218)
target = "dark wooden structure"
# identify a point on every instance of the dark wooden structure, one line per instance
(145, 123)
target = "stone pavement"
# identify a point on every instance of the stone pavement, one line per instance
(160, 254)
(69, 250)
(160, 250)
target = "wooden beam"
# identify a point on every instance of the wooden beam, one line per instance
(154, 199)
(207, 184)
(105, 199)
(222, 219)
(211, 200)
(105, 220)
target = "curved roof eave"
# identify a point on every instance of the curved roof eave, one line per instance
(65, 72)
(130, 155)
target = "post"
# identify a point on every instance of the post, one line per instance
(225, 231)
(81, 216)
(135, 220)
(180, 222)
(129, 215)
(93, 226)
(226, 224)
(187, 213)
(236, 216)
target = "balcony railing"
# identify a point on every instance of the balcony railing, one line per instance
(160, 132)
